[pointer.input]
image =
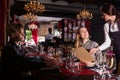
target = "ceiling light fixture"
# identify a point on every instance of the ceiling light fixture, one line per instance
(34, 7)
(30, 17)
(84, 14)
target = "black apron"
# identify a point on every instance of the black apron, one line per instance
(115, 37)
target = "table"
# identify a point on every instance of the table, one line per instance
(61, 73)
(56, 75)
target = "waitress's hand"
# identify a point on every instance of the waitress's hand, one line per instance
(94, 50)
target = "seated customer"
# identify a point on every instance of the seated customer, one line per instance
(82, 40)
(14, 61)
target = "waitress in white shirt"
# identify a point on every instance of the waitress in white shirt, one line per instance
(111, 31)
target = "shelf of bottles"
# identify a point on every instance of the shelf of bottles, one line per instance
(70, 28)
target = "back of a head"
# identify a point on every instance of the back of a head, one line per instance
(13, 28)
(50, 30)
(108, 9)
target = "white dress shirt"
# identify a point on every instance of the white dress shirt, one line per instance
(107, 42)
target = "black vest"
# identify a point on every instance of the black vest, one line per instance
(115, 36)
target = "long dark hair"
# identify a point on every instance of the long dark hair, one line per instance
(110, 9)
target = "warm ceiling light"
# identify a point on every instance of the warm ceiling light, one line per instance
(34, 7)
(30, 17)
(84, 14)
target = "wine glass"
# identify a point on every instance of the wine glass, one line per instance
(72, 65)
(106, 66)
(41, 47)
(59, 51)
(50, 51)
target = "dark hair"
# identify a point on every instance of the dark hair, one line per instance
(50, 30)
(13, 28)
(108, 9)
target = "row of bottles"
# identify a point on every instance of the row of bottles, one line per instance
(70, 28)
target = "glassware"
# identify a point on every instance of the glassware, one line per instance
(59, 51)
(41, 49)
(50, 51)
(106, 66)
(72, 65)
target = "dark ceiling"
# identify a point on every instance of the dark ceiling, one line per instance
(98, 2)
(116, 3)
(81, 1)
(62, 10)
